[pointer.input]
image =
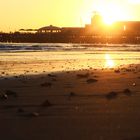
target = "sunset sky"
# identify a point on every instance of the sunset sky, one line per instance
(17, 14)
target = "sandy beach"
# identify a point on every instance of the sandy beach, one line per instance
(38, 101)
(69, 69)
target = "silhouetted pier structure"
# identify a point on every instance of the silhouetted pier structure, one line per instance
(96, 32)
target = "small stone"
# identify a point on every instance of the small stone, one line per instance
(83, 75)
(34, 114)
(20, 110)
(111, 95)
(89, 81)
(11, 93)
(46, 84)
(72, 94)
(134, 84)
(3, 96)
(46, 104)
(127, 92)
(51, 75)
(30, 115)
(117, 71)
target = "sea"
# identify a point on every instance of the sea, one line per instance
(26, 47)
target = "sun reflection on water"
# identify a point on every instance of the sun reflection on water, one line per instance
(109, 62)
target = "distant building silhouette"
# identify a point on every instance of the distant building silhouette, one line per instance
(97, 26)
(49, 29)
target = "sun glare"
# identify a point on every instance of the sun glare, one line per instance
(109, 61)
(108, 21)
(111, 12)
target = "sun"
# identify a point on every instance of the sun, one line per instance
(111, 13)
(108, 21)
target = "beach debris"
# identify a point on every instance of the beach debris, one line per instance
(67, 72)
(111, 95)
(128, 70)
(72, 94)
(127, 92)
(46, 84)
(3, 72)
(51, 75)
(20, 110)
(95, 76)
(35, 114)
(46, 104)
(32, 114)
(117, 71)
(11, 93)
(83, 75)
(90, 81)
(3, 96)
(134, 84)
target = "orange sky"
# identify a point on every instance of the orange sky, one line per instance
(16, 14)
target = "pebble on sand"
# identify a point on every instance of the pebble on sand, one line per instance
(111, 95)
(32, 114)
(117, 71)
(46, 84)
(51, 75)
(20, 110)
(134, 84)
(127, 92)
(72, 94)
(11, 93)
(46, 104)
(89, 81)
(3, 96)
(83, 75)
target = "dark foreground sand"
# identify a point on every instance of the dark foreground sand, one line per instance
(76, 105)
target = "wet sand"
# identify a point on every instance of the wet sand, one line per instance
(85, 104)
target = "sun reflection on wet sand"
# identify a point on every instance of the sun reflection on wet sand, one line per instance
(18, 63)
(109, 62)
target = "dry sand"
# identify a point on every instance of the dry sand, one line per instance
(86, 104)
